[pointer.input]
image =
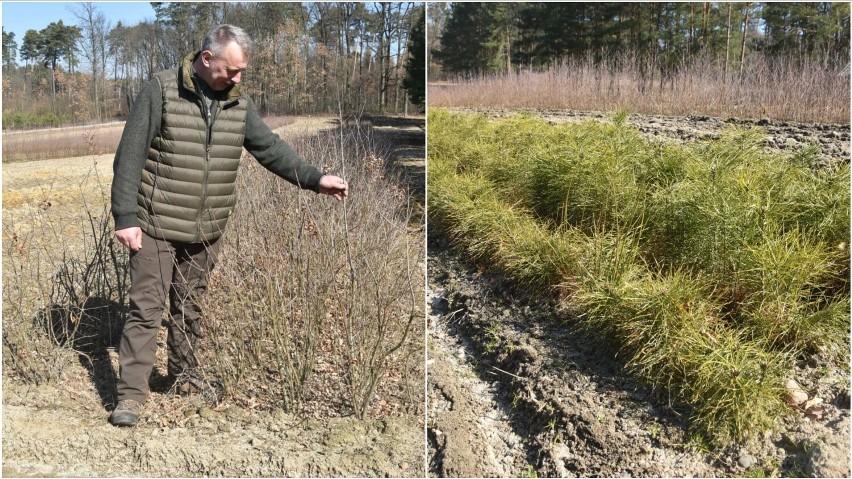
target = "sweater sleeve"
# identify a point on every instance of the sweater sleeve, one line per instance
(141, 127)
(276, 155)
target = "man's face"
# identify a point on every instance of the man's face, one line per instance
(225, 69)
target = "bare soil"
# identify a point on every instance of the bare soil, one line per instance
(515, 388)
(60, 429)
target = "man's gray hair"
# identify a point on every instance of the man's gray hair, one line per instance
(221, 36)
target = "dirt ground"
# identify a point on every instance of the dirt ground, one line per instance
(516, 390)
(61, 430)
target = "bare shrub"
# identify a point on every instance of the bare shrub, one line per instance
(304, 308)
(65, 286)
(769, 87)
(300, 290)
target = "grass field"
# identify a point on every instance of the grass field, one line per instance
(711, 267)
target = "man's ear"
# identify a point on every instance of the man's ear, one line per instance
(206, 57)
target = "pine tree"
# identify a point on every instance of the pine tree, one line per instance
(415, 70)
(10, 50)
(465, 37)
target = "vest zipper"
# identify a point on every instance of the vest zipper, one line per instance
(209, 119)
(205, 112)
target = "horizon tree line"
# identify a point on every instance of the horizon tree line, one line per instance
(309, 58)
(493, 38)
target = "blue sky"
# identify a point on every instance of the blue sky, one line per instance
(19, 17)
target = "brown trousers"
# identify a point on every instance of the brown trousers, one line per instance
(163, 273)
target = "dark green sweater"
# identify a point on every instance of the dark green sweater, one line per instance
(143, 125)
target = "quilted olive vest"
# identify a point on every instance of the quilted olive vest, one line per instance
(187, 192)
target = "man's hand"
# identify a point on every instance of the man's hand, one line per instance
(130, 237)
(333, 186)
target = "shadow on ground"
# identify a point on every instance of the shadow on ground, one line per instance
(90, 329)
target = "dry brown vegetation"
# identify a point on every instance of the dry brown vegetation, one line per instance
(315, 308)
(317, 301)
(808, 92)
(61, 142)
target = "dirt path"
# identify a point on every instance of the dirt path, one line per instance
(60, 429)
(409, 156)
(516, 389)
(513, 391)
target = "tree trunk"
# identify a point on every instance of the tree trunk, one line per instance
(728, 44)
(743, 43)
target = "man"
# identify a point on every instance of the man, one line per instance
(172, 194)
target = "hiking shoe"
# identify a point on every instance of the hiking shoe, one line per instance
(126, 413)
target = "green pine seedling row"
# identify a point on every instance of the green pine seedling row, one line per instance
(710, 266)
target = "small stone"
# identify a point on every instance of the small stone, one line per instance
(255, 442)
(460, 354)
(206, 413)
(746, 460)
(794, 394)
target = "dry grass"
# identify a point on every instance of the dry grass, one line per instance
(78, 141)
(60, 142)
(769, 89)
(276, 122)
